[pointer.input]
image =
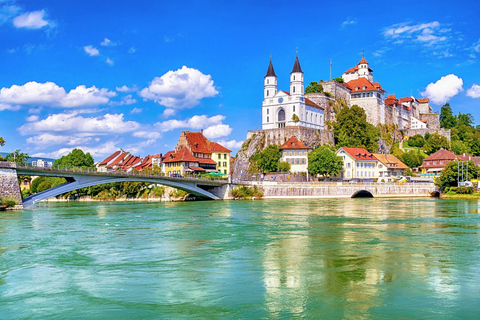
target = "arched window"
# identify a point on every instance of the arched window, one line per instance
(281, 115)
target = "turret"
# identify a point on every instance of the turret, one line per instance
(296, 79)
(270, 82)
(364, 70)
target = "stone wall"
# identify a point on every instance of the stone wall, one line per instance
(337, 90)
(8, 182)
(310, 137)
(433, 120)
(412, 132)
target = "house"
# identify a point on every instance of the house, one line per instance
(434, 163)
(42, 163)
(358, 164)
(296, 153)
(119, 161)
(183, 161)
(389, 167)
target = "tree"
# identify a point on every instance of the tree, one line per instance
(284, 166)
(465, 119)
(412, 158)
(314, 87)
(338, 79)
(2, 142)
(451, 172)
(459, 147)
(353, 130)
(416, 141)
(76, 158)
(435, 142)
(18, 157)
(295, 118)
(267, 159)
(323, 161)
(447, 119)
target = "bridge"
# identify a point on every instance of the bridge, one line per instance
(78, 178)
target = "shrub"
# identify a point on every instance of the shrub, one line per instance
(459, 190)
(244, 192)
(8, 201)
(158, 191)
(177, 193)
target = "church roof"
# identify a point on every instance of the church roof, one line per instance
(270, 71)
(362, 84)
(296, 66)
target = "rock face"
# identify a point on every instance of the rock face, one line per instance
(9, 184)
(260, 139)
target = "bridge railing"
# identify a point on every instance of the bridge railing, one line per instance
(329, 183)
(93, 171)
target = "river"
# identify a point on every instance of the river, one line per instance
(268, 259)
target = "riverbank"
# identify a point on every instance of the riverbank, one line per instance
(461, 196)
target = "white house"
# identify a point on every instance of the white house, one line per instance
(358, 164)
(282, 109)
(389, 167)
(295, 153)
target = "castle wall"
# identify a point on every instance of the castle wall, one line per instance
(443, 132)
(337, 90)
(310, 137)
(433, 120)
(371, 105)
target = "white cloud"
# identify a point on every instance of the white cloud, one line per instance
(217, 131)
(108, 43)
(7, 12)
(136, 110)
(444, 89)
(110, 62)
(132, 50)
(232, 144)
(476, 46)
(125, 88)
(180, 89)
(105, 149)
(474, 91)
(52, 95)
(4, 106)
(74, 123)
(147, 134)
(32, 118)
(47, 139)
(32, 20)
(348, 22)
(91, 50)
(195, 122)
(169, 112)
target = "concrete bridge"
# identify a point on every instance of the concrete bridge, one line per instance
(82, 178)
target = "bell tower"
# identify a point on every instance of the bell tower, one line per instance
(270, 82)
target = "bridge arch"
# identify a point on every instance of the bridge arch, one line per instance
(83, 181)
(362, 194)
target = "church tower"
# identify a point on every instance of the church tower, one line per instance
(270, 82)
(296, 79)
(364, 70)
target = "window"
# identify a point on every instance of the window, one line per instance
(268, 110)
(293, 77)
(294, 89)
(225, 171)
(303, 160)
(224, 164)
(268, 120)
(267, 81)
(358, 164)
(219, 156)
(293, 108)
(267, 93)
(219, 164)
(224, 156)
(348, 165)
(297, 161)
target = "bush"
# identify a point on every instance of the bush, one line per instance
(25, 193)
(177, 193)
(158, 191)
(8, 201)
(244, 192)
(459, 190)
(284, 166)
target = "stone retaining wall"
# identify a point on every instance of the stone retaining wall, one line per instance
(9, 185)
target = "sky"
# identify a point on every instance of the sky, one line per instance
(104, 75)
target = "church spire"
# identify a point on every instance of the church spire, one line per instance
(296, 66)
(270, 71)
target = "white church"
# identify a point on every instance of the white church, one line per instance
(282, 109)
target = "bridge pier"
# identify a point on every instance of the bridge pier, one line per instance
(9, 183)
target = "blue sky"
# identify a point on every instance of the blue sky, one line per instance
(134, 74)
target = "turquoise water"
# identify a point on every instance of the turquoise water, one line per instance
(269, 259)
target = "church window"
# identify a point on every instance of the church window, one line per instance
(293, 108)
(281, 115)
(293, 78)
(267, 81)
(268, 120)
(294, 89)
(268, 110)
(268, 93)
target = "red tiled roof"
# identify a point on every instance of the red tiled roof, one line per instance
(390, 161)
(406, 99)
(363, 82)
(198, 142)
(313, 104)
(197, 169)
(293, 143)
(391, 99)
(182, 155)
(217, 147)
(205, 160)
(352, 70)
(363, 60)
(167, 155)
(360, 154)
(284, 91)
(424, 100)
(441, 154)
(110, 158)
(119, 159)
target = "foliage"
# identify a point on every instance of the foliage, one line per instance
(44, 185)
(338, 79)
(46, 182)
(435, 142)
(412, 158)
(8, 201)
(450, 173)
(244, 192)
(2, 142)
(76, 158)
(416, 141)
(447, 119)
(267, 159)
(459, 190)
(353, 130)
(18, 157)
(132, 188)
(284, 166)
(323, 161)
(409, 173)
(314, 87)
(158, 191)
(459, 147)
(178, 193)
(295, 118)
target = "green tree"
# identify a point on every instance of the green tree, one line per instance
(416, 141)
(45, 185)
(267, 159)
(449, 175)
(323, 161)
(412, 158)
(435, 142)
(132, 188)
(76, 158)
(314, 87)
(2, 142)
(459, 147)
(284, 166)
(447, 119)
(295, 118)
(475, 144)
(353, 130)
(338, 79)
(18, 157)
(465, 119)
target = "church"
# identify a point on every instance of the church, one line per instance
(282, 109)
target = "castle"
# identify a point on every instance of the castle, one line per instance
(281, 109)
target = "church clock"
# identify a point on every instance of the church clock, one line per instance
(280, 100)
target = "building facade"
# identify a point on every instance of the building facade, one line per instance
(358, 164)
(389, 167)
(282, 109)
(295, 152)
